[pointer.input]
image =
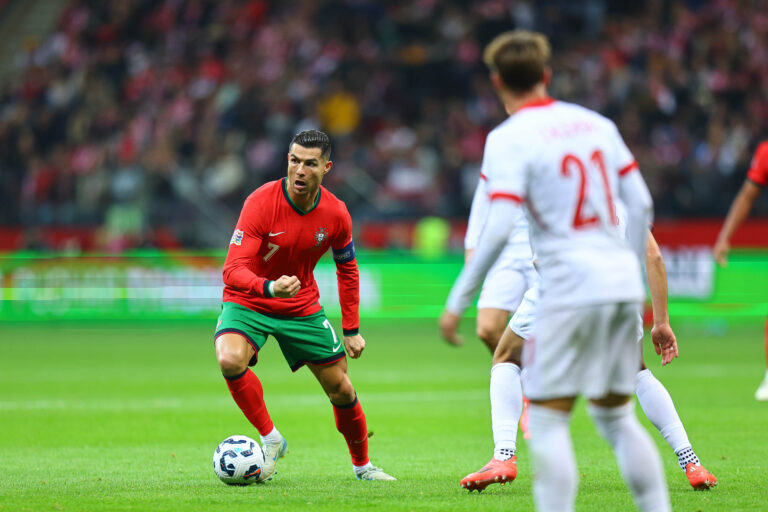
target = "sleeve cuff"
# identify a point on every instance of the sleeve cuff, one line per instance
(269, 287)
(351, 332)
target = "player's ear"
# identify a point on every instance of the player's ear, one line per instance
(328, 166)
(546, 75)
(496, 81)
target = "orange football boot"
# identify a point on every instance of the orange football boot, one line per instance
(495, 472)
(524, 419)
(699, 477)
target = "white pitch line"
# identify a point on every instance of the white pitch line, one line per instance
(221, 402)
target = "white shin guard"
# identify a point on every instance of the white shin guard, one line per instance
(506, 405)
(554, 465)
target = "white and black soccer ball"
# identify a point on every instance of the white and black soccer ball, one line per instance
(238, 460)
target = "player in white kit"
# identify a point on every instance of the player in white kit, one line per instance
(654, 398)
(566, 164)
(507, 280)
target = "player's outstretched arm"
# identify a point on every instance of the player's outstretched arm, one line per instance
(286, 287)
(499, 224)
(739, 211)
(662, 335)
(354, 345)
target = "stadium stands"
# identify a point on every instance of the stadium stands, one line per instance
(135, 116)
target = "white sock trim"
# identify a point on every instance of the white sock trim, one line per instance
(360, 469)
(511, 366)
(273, 437)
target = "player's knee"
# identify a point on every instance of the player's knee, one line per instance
(488, 334)
(232, 362)
(341, 393)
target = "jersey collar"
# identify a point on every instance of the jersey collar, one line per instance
(539, 102)
(294, 205)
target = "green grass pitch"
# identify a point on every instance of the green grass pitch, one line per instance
(126, 416)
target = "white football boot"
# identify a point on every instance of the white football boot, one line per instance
(272, 452)
(371, 472)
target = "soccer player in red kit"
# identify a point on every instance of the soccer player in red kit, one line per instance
(757, 180)
(284, 228)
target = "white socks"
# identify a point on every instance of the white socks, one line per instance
(635, 453)
(506, 408)
(273, 437)
(658, 407)
(360, 469)
(554, 464)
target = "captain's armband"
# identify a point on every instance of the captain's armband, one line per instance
(345, 254)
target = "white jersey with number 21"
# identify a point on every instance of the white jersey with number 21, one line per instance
(568, 165)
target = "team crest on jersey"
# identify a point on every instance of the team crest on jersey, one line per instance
(237, 237)
(321, 235)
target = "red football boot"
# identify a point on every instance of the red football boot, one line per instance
(495, 472)
(699, 477)
(524, 419)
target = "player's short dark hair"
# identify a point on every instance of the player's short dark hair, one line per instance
(519, 57)
(314, 139)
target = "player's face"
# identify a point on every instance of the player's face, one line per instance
(306, 168)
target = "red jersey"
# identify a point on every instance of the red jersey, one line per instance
(758, 172)
(274, 237)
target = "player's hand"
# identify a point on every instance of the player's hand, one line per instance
(354, 345)
(449, 324)
(664, 342)
(287, 286)
(721, 252)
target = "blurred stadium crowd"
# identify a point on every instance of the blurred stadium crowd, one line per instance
(132, 115)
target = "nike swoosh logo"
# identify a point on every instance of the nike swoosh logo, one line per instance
(336, 347)
(275, 234)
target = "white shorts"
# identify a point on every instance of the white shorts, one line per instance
(588, 351)
(505, 284)
(521, 322)
(640, 330)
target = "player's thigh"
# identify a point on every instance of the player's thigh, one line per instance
(240, 332)
(590, 350)
(309, 339)
(503, 287)
(523, 319)
(611, 400)
(509, 349)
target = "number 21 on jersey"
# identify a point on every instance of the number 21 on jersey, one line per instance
(573, 164)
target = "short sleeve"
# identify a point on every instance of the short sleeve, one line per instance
(505, 165)
(625, 160)
(758, 171)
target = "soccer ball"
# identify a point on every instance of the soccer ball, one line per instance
(238, 460)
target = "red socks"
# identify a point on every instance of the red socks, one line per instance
(350, 421)
(249, 395)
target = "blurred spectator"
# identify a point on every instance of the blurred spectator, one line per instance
(146, 114)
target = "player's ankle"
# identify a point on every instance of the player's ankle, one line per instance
(360, 469)
(503, 453)
(274, 436)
